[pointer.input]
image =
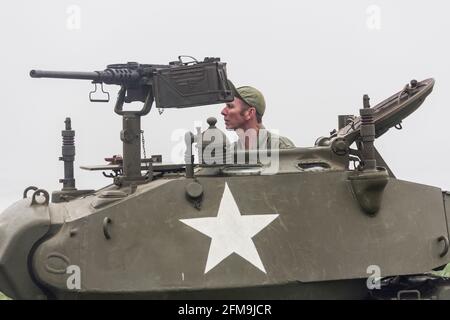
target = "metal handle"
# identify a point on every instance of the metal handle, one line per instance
(95, 90)
(446, 245)
(38, 192)
(25, 192)
(106, 223)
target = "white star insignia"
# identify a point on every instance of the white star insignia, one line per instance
(231, 232)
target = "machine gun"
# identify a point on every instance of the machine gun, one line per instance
(176, 85)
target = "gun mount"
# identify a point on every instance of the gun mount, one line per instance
(176, 85)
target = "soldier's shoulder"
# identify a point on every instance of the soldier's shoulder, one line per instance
(283, 142)
(286, 143)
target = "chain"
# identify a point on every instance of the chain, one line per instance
(143, 144)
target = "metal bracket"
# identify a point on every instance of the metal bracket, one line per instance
(368, 188)
(118, 108)
(115, 173)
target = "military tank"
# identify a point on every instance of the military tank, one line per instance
(329, 221)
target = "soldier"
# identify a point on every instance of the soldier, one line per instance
(244, 116)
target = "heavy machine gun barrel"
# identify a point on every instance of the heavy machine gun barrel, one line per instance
(94, 76)
(129, 74)
(115, 74)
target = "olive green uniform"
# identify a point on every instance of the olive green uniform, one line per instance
(283, 142)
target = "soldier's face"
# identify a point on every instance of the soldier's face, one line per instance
(235, 114)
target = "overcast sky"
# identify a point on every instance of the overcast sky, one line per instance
(313, 60)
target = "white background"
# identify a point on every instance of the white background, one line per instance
(312, 60)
